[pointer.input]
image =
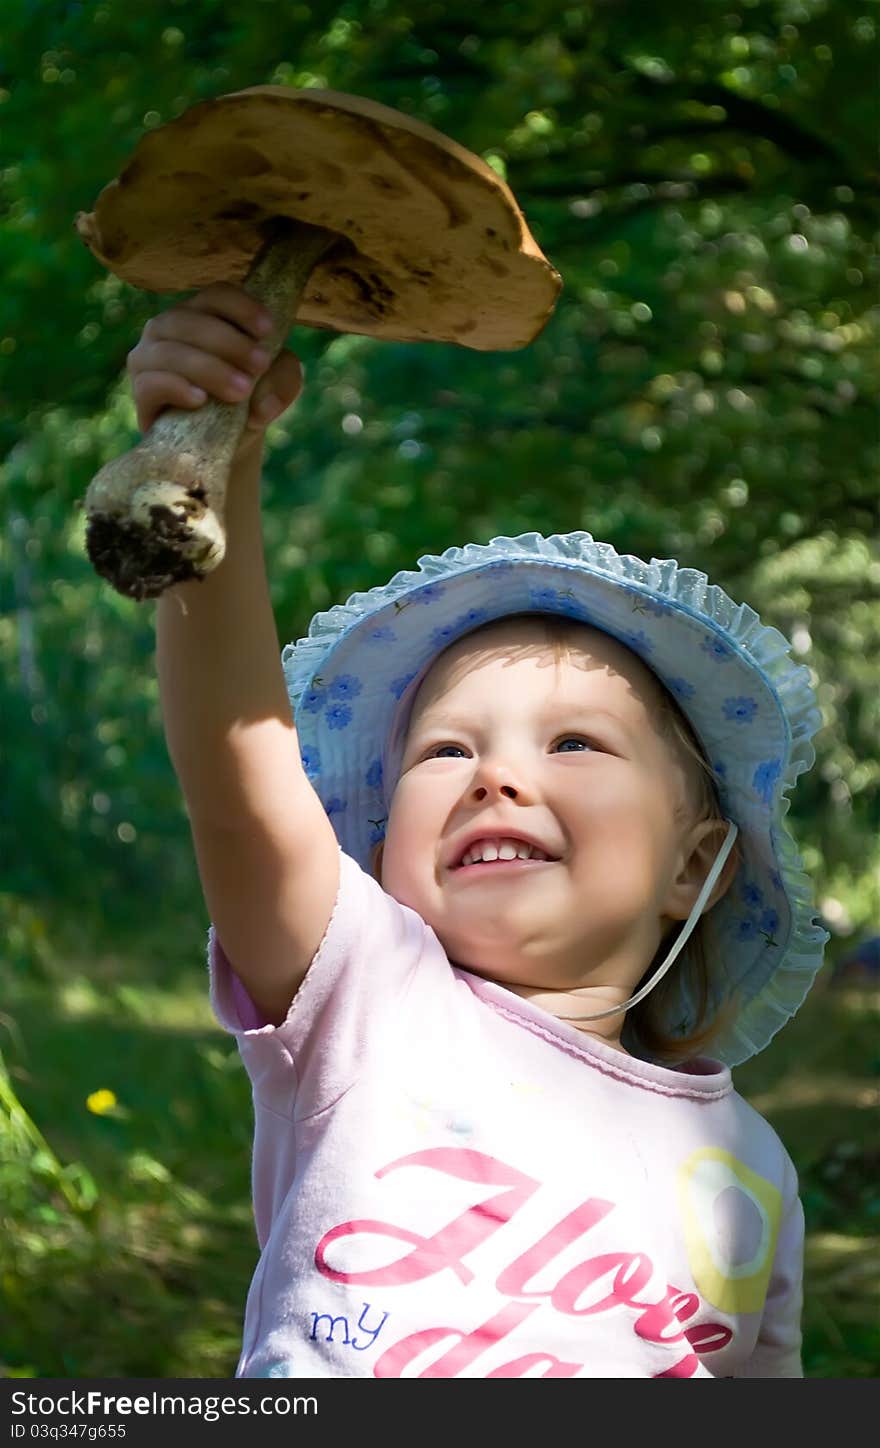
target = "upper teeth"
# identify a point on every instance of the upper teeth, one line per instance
(501, 849)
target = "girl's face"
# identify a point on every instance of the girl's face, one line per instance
(507, 745)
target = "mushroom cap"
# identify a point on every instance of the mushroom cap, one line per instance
(436, 247)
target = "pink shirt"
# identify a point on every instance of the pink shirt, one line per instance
(449, 1182)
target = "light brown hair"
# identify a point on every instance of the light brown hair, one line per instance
(646, 1031)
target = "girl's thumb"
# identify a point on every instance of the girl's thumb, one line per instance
(279, 386)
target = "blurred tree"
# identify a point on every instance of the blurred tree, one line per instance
(704, 178)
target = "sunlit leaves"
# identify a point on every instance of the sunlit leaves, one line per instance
(705, 389)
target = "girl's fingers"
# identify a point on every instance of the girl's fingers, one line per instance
(233, 304)
(200, 333)
(186, 378)
(155, 391)
(209, 346)
(228, 382)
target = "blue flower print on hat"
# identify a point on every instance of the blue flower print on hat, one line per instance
(741, 709)
(717, 649)
(441, 637)
(344, 686)
(338, 716)
(751, 893)
(638, 641)
(549, 599)
(557, 600)
(764, 781)
(314, 699)
(398, 687)
(769, 921)
(472, 619)
(311, 761)
(430, 594)
(681, 688)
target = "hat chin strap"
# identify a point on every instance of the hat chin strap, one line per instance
(687, 931)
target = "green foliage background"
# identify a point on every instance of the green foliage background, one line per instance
(704, 177)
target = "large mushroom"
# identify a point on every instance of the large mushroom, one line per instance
(333, 211)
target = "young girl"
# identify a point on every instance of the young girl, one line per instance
(454, 913)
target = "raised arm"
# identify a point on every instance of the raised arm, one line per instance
(266, 852)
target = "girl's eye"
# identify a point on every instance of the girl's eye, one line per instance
(572, 744)
(442, 751)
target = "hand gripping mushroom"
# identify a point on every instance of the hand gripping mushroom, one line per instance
(332, 211)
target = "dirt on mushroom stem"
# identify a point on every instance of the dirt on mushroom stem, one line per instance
(140, 563)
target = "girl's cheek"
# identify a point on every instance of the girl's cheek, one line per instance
(411, 837)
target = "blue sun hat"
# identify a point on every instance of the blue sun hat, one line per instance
(751, 707)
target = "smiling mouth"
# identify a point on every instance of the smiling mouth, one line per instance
(492, 867)
(501, 855)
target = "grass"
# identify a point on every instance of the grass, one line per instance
(126, 1238)
(819, 1086)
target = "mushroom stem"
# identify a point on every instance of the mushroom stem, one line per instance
(156, 514)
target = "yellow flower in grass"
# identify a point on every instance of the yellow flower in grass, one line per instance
(100, 1102)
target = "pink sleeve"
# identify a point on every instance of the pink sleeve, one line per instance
(777, 1352)
(231, 1003)
(363, 965)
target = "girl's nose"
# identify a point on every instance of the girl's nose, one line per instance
(493, 779)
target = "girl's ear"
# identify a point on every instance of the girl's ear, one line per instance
(705, 841)
(376, 861)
